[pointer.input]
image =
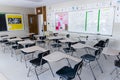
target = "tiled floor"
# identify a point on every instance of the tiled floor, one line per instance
(16, 70)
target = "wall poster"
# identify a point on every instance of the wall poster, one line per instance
(14, 22)
(61, 21)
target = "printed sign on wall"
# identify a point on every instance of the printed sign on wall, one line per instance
(14, 22)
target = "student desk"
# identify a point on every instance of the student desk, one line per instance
(80, 45)
(65, 40)
(54, 37)
(30, 34)
(15, 39)
(26, 42)
(30, 50)
(57, 56)
(110, 51)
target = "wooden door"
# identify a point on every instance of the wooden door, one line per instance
(33, 23)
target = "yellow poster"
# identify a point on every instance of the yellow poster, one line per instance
(14, 22)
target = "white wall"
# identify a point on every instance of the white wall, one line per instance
(21, 10)
(115, 39)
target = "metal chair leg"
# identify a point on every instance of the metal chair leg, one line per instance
(105, 56)
(113, 71)
(36, 74)
(28, 71)
(79, 76)
(92, 72)
(51, 70)
(99, 66)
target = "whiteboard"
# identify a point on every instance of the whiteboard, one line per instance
(95, 21)
(92, 21)
(76, 21)
(106, 21)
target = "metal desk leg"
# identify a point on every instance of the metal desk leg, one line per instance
(51, 70)
(25, 62)
(68, 62)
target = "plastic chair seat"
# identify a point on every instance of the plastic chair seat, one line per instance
(56, 45)
(66, 72)
(117, 63)
(17, 47)
(36, 62)
(67, 50)
(88, 57)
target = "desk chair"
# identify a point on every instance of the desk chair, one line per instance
(56, 44)
(15, 47)
(38, 62)
(88, 58)
(42, 40)
(69, 73)
(69, 48)
(102, 44)
(8, 44)
(117, 67)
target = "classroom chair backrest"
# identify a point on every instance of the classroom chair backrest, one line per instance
(78, 66)
(55, 34)
(101, 43)
(42, 37)
(68, 36)
(40, 55)
(98, 52)
(106, 42)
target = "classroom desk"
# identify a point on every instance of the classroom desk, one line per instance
(6, 37)
(110, 51)
(3, 35)
(26, 42)
(30, 34)
(68, 40)
(80, 45)
(30, 50)
(54, 37)
(57, 56)
(15, 39)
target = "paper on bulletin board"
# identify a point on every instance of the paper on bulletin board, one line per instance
(14, 22)
(61, 21)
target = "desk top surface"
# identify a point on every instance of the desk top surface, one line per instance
(110, 51)
(32, 49)
(80, 45)
(26, 42)
(68, 40)
(15, 39)
(56, 56)
(54, 37)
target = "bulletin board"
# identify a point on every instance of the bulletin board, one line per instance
(61, 21)
(14, 22)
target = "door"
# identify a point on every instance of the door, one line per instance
(33, 23)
